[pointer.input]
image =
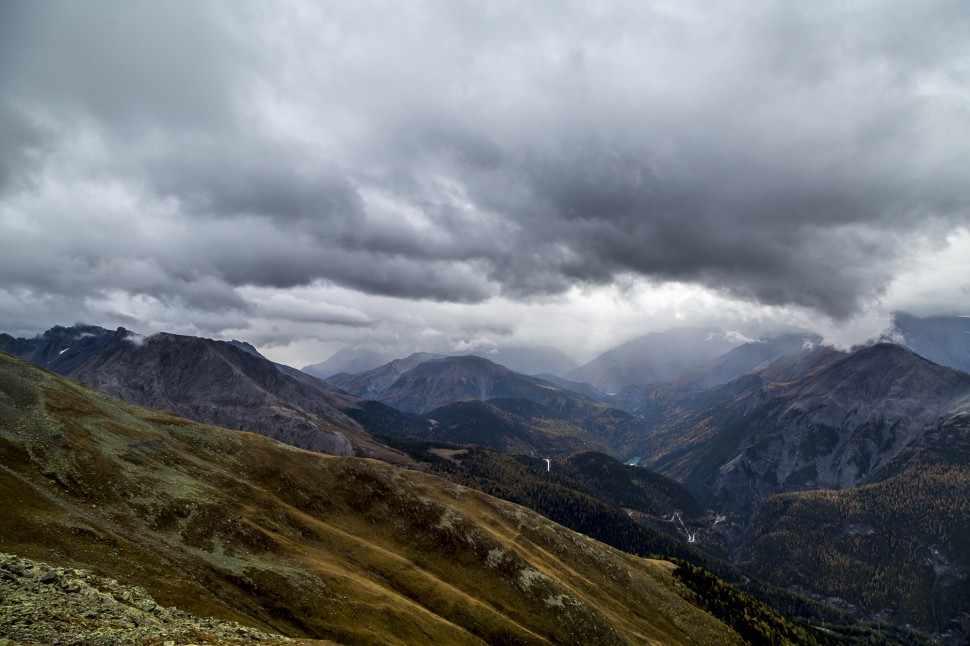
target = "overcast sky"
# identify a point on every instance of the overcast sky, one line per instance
(445, 174)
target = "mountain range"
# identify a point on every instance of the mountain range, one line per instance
(529, 361)
(291, 542)
(653, 357)
(821, 463)
(470, 399)
(841, 475)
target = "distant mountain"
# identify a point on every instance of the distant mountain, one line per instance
(214, 382)
(437, 382)
(740, 360)
(653, 357)
(348, 360)
(529, 361)
(239, 527)
(371, 383)
(942, 339)
(547, 411)
(653, 401)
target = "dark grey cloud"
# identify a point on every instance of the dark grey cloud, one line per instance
(23, 149)
(781, 154)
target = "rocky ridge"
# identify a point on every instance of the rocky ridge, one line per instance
(214, 382)
(52, 605)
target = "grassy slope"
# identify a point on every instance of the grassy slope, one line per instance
(240, 527)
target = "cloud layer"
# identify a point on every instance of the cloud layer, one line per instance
(175, 155)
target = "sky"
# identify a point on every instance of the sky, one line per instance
(450, 175)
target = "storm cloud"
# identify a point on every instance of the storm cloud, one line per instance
(181, 152)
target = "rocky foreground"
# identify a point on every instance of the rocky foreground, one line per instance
(40, 604)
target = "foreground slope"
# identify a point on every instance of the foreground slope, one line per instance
(214, 382)
(243, 528)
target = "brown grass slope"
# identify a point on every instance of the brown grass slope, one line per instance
(240, 527)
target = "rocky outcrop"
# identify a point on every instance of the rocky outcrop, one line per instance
(41, 604)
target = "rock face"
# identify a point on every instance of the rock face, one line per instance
(897, 548)
(215, 382)
(41, 604)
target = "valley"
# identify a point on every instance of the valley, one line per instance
(829, 485)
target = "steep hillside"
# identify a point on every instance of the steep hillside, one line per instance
(208, 381)
(839, 420)
(514, 426)
(628, 486)
(644, 513)
(897, 547)
(653, 357)
(240, 527)
(822, 466)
